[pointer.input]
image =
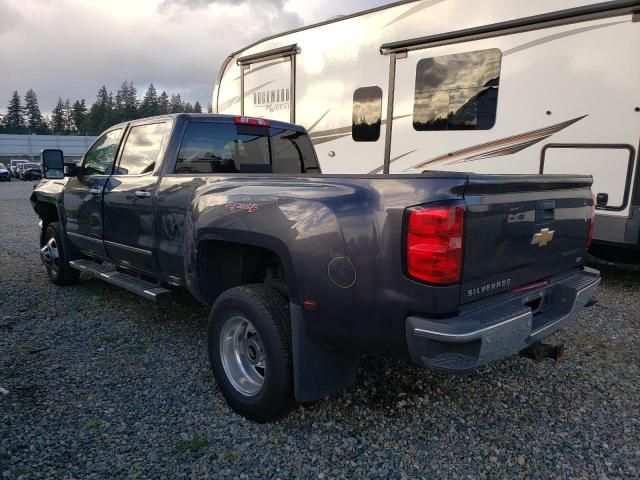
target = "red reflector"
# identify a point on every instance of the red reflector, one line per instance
(258, 122)
(592, 221)
(434, 243)
(531, 286)
(310, 304)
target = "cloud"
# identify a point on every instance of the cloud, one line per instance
(10, 17)
(69, 48)
(198, 4)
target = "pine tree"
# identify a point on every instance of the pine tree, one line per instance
(150, 104)
(175, 104)
(126, 103)
(34, 121)
(163, 103)
(101, 115)
(79, 113)
(69, 124)
(14, 119)
(58, 118)
(209, 108)
(187, 108)
(197, 108)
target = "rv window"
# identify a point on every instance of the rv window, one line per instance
(457, 92)
(367, 114)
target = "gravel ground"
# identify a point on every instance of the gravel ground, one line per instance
(97, 383)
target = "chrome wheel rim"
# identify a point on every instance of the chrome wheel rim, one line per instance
(243, 355)
(50, 255)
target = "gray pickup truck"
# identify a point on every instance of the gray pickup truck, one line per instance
(306, 272)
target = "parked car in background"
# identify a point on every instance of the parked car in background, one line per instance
(5, 175)
(305, 272)
(28, 171)
(13, 165)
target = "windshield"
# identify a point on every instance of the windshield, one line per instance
(31, 165)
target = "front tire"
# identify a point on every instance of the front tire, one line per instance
(250, 351)
(55, 257)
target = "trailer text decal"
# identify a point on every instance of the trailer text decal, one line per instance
(273, 100)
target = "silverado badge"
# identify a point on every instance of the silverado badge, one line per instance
(543, 238)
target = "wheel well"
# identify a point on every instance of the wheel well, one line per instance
(223, 265)
(48, 213)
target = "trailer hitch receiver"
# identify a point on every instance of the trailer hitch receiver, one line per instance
(541, 350)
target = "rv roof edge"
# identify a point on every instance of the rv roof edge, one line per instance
(269, 54)
(320, 24)
(571, 15)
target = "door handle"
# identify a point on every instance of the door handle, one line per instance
(143, 194)
(94, 191)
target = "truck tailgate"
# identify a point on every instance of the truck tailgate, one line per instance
(522, 229)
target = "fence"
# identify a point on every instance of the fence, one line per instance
(29, 146)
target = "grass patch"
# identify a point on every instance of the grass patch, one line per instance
(108, 337)
(91, 424)
(230, 455)
(194, 445)
(139, 348)
(96, 300)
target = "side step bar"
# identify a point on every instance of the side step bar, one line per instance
(136, 285)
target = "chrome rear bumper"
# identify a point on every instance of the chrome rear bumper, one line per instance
(501, 328)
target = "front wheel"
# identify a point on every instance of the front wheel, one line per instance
(55, 257)
(250, 351)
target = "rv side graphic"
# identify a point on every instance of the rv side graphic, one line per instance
(499, 86)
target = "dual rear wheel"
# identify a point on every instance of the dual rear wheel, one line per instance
(250, 351)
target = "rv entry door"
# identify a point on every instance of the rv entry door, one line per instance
(268, 86)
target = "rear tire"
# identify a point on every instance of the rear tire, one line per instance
(55, 257)
(250, 351)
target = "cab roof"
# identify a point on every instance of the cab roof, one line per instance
(208, 117)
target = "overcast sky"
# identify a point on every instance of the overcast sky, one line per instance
(69, 48)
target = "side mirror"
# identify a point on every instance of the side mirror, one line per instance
(52, 163)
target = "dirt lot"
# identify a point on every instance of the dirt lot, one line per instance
(96, 383)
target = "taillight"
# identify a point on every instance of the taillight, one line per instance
(258, 122)
(592, 221)
(434, 243)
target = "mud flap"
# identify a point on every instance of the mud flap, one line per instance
(318, 371)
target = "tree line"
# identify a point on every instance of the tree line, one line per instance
(76, 118)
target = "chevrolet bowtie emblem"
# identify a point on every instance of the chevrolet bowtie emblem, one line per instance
(543, 238)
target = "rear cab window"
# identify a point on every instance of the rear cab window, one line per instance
(210, 147)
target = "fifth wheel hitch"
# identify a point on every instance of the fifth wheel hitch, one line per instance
(540, 350)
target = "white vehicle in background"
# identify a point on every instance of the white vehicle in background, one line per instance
(13, 165)
(498, 86)
(5, 175)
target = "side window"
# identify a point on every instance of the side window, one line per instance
(367, 114)
(141, 149)
(457, 92)
(99, 158)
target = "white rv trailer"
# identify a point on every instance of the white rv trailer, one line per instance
(491, 86)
